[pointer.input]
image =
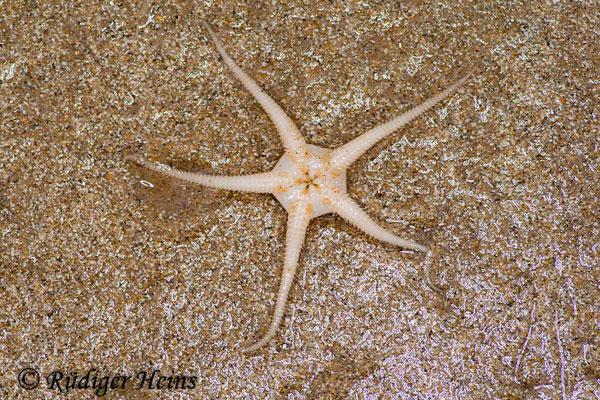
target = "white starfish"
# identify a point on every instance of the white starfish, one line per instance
(308, 181)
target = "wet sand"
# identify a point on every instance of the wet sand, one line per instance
(105, 265)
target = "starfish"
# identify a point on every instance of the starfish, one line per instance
(308, 180)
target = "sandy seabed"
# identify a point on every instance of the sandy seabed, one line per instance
(109, 271)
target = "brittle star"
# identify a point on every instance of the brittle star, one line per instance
(308, 180)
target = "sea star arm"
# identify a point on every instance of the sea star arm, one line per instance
(267, 182)
(348, 209)
(345, 155)
(290, 135)
(298, 218)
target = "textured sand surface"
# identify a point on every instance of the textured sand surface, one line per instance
(105, 265)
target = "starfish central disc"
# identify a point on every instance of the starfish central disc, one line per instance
(310, 178)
